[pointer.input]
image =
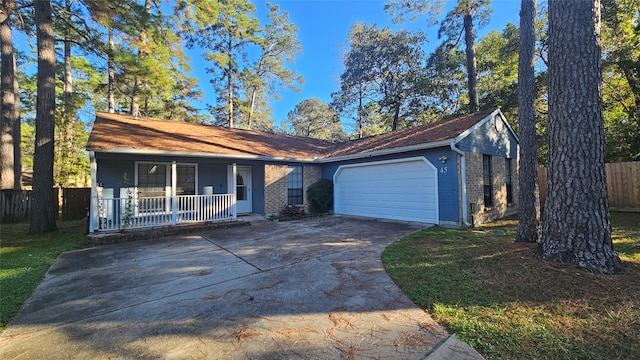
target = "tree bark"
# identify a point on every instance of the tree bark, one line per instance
(469, 38)
(529, 229)
(230, 82)
(577, 227)
(11, 159)
(111, 73)
(360, 109)
(135, 98)
(42, 216)
(396, 116)
(68, 114)
(252, 105)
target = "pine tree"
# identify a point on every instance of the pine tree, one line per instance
(577, 227)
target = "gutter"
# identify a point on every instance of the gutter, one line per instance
(128, 150)
(385, 152)
(318, 160)
(463, 176)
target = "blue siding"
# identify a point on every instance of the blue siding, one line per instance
(487, 140)
(211, 172)
(448, 192)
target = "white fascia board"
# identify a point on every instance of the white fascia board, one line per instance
(198, 154)
(397, 150)
(504, 119)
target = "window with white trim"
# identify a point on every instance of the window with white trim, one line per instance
(154, 179)
(186, 182)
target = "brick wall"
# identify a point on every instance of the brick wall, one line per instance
(310, 175)
(500, 208)
(275, 185)
(275, 188)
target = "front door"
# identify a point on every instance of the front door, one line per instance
(243, 188)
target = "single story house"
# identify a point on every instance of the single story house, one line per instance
(148, 172)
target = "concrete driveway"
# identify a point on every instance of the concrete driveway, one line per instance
(311, 289)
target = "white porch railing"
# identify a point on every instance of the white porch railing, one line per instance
(155, 211)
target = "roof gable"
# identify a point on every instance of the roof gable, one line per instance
(492, 136)
(124, 133)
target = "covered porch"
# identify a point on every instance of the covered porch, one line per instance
(137, 207)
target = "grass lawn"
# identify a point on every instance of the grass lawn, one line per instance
(24, 259)
(495, 295)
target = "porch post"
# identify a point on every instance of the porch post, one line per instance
(93, 206)
(174, 198)
(234, 176)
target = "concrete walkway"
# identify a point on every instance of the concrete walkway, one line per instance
(312, 289)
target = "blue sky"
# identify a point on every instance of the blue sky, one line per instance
(323, 28)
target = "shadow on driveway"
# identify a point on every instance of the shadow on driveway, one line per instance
(309, 289)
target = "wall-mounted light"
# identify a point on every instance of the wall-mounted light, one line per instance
(443, 159)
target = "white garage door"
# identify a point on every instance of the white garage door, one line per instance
(399, 189)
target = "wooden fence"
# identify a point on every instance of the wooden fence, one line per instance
(623, 183)
(72, 204)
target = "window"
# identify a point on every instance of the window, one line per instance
(152, 179)
(186, 184)
(487, 178)
(152, 184)
(507, 174)
(294, 186)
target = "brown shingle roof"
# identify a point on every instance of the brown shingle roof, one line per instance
(423, 134)
(115, 131)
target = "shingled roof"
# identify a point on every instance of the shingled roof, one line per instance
(424, 134)
(124, 133)
(113, 132)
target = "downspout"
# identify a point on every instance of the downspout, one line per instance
(463, 182)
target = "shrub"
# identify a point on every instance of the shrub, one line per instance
(320, 196)
(291, 211)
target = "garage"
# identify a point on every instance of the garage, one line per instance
(404, 189)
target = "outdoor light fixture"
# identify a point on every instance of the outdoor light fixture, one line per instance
(443, 159)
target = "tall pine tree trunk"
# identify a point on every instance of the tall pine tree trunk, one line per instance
(42, 217)
(472, 72)
(529, 229)
(111, 73)
(360, 109)
(135, 98)
(577, 226)
(230, 82)
(252, 106)
(68, 113)
(396, 116)
(11, 160)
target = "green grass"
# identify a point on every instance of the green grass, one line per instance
(498, 297)
(25, 258)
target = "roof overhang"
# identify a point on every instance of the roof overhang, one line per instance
(318, 160)
(133, 151)
(398, 150)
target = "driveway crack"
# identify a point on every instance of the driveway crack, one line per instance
(232, 253)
